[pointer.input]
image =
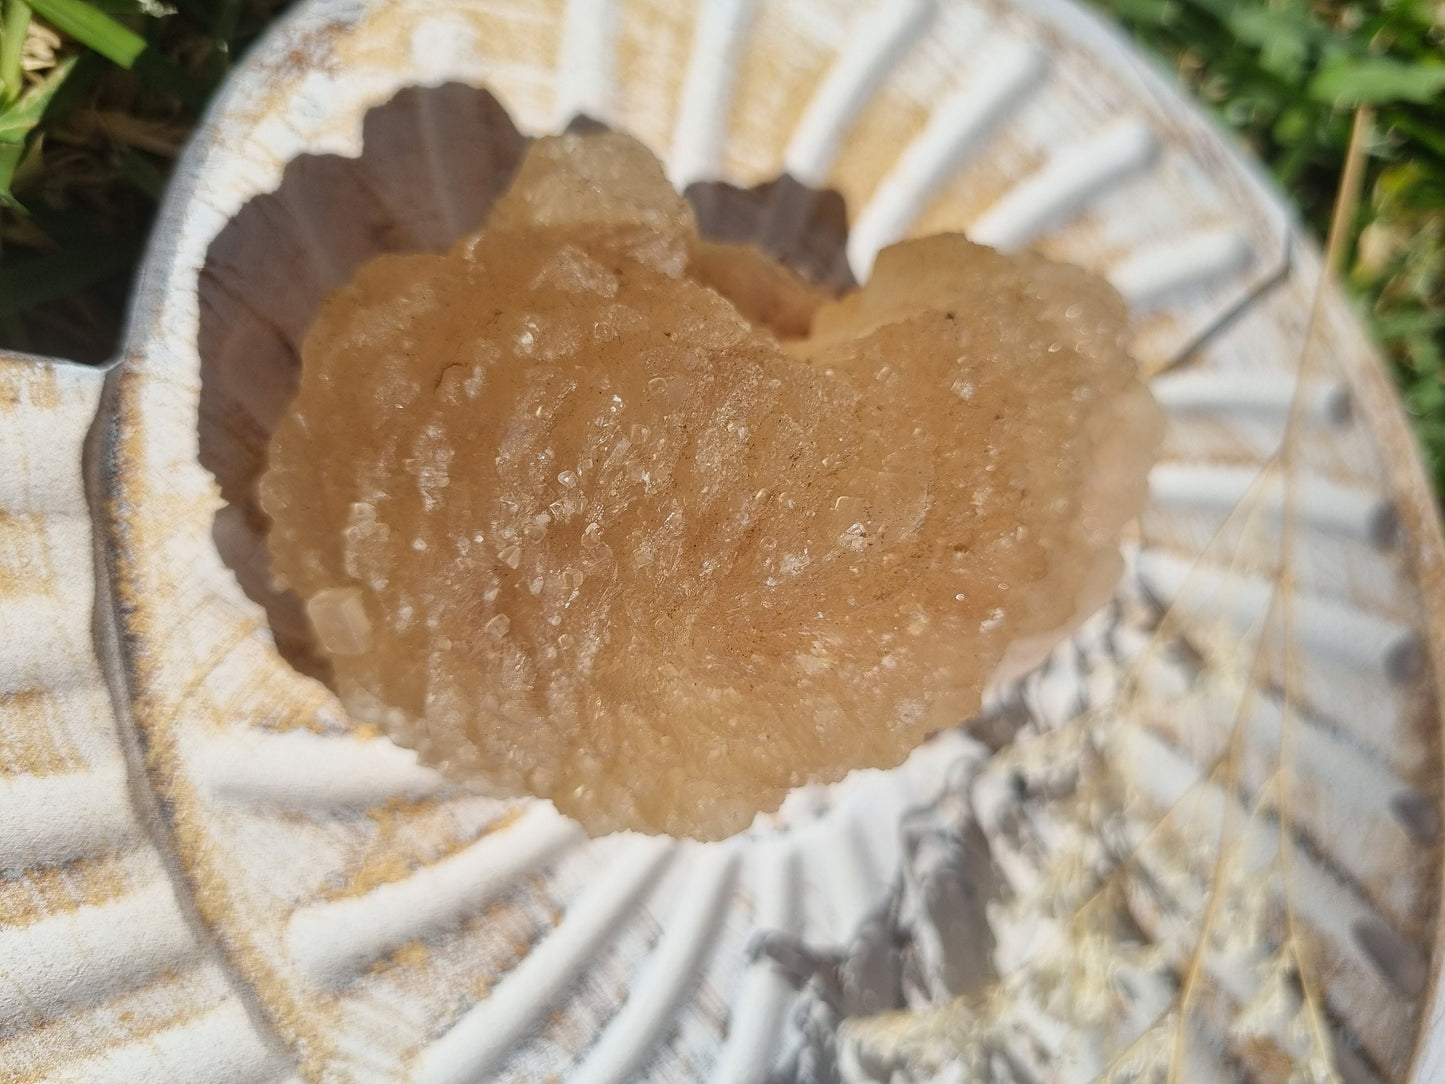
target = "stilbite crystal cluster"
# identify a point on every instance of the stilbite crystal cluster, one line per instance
(571, 524)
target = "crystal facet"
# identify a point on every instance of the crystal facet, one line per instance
(572, 523)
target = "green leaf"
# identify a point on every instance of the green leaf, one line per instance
(1411, 326)
(1290, 26)
(1377, 80)
(79, 88)
(18, 120)
(1424, 130)
(1284, 40)
(120, 45)
(93, 28)
(1295, 124)
(12, 47)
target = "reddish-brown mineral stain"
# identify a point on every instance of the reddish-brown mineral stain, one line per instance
(570, 524)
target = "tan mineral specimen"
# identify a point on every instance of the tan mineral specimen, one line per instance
(570, 524)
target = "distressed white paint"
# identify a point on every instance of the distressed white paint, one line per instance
(1059, 190)
(1325, 402)
(757, 1013)
(1338, 633)
(881, 39)
(701, 131)
(586, 69)
(1317, 503)
(299, 770)
(1001, 77)
(1150, 277)
(669, 972)
(331, 941)
(480, 1039)
(82, 957)
(48, 820)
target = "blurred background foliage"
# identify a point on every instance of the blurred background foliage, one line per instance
(1285, 75)
(98, 96)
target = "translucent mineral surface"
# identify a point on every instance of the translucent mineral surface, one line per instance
(571, 523)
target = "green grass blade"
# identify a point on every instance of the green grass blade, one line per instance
(79, 87)
(93, 28)
(120, 45)
(12, 48)
(18, 120)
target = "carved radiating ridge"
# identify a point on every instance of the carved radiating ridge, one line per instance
(1059, 189)
(476, 1044)
(882, 38)
(82, 957)
(216, 1047)
(1335, 631)
(114, 932)
(671, 970)
(697, 141)
(587, 62)
(1318, 503)
(1149, 277)
(1267, 395)
(300, 770)
(756, 1018)
(48, 820)
(331, 941)
(957, 129)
